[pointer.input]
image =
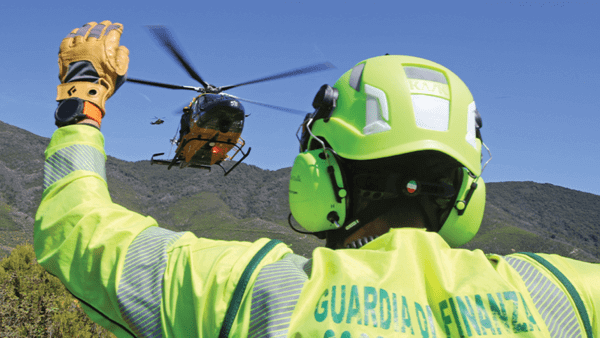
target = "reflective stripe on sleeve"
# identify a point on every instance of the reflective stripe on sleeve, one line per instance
(552, 303)
(140, 288)
(274, 297)
(70, 159)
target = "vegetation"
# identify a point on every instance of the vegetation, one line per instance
(34, 303)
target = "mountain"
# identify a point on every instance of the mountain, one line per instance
(251, 203)
(528, 216)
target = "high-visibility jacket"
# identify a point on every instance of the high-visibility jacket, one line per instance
(138, 279)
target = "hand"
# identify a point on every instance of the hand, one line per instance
(91, 63)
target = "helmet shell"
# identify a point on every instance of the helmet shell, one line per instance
(394, 104)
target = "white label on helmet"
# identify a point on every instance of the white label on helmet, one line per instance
(377, 111)
(431, 112)
(471, 125)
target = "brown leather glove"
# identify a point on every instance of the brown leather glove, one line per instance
(91, 63)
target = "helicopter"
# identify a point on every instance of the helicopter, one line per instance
(211, 125)
(157, 121)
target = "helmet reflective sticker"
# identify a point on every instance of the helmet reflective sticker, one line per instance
(424, 74)
(431, 112)
(356, 75)
(471, 125)
(377, 111)
(427, 81)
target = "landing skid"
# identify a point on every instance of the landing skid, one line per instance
(238, 162)
(183, 164)
(175, 161)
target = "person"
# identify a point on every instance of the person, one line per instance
(389, 174)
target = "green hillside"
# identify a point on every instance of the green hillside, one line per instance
(528, 216)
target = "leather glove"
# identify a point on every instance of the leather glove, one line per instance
(91, 63)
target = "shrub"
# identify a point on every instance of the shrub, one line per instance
(34, 303)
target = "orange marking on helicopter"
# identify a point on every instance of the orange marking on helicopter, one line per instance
(192, 145)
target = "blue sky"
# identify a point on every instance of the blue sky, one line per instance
(532, 67)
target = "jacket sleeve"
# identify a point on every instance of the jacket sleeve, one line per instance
(131, 276)
(79, 235)
(584, 277)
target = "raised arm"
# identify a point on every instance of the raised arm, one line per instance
(131, 276)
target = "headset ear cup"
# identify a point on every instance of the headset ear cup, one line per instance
(460, 227)
(314, 201)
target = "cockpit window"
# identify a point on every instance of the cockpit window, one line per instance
(200, 102)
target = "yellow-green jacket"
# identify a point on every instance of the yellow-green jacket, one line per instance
(137, 279)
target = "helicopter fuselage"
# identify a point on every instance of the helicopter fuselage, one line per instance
(210, 127)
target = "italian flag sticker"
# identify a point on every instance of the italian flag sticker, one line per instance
(411, 186)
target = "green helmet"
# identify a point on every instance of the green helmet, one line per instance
(383, 107)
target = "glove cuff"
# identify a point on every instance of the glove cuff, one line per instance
(96, 93)
(93, 112)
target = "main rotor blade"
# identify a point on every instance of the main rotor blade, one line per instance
(163, 85)
(294, 72)
(288, 110)
(167, 40)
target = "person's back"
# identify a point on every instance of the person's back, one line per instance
(410, 283)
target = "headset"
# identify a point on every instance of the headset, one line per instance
(318, 194)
